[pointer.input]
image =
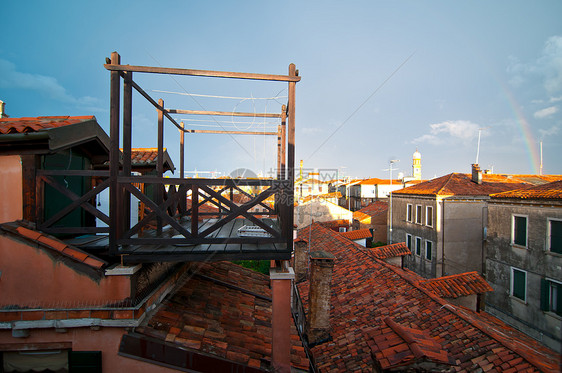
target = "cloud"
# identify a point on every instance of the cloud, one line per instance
(449, 130)
(555, 99)
(549, 132)
(311, 130)
(546, 112)
(45, 85)
(547, 67)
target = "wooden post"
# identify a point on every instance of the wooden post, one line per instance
(279, 152)
(160, 164)
(115, 221)
(194, 211)
(291, 156)
(182, 166)
(283, 141)
(127, 141)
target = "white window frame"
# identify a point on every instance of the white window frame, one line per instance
(511, 280)
(409, 213)
(550, 298)
(548, 233)
(513, 216)
(431, 243)
(418, 247)
(420, 209)
(409, 236)
(427, 215)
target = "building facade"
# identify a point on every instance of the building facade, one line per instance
(524, 260)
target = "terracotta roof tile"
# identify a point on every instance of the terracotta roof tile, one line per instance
(366, 290)
(223, 310)
(458, 285)
(462, 184)
(26, 125)
(545, 191)
(374, 209)
(390, 251)
(357, 234)
(55, 244)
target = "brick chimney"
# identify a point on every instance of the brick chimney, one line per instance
(476, 174)
(318, 322)
(300, 261)
(2, 108)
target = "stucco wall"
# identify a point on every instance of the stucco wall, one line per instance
(11, 200)
(31, 276)
(401, 227)
(538, 263)
(105, 340)
(320, 210)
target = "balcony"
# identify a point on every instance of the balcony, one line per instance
(169, 230)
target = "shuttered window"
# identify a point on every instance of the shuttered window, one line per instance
(519, 284)
(519, 234)
(555, 236)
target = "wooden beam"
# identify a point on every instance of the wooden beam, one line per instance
(283, 143)
(233, 132)
(114, 207)
(208, 73)
(224, 113)
(127, 141)
(160, 163)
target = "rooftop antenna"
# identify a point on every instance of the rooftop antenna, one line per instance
(540, 167)
(478, 148)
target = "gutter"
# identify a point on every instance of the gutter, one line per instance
(16, 137)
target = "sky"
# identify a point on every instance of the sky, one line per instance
(380, 79)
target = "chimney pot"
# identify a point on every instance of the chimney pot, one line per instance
(476, 174)
(318, 323)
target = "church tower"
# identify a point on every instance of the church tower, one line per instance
(416, 165)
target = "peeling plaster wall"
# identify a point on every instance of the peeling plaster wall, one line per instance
(11, 199)
(501, 255)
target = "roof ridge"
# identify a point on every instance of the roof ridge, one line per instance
(448, 277)
(446, 183)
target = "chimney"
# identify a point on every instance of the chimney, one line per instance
(476, 174)
(318, 323)
(300, 261)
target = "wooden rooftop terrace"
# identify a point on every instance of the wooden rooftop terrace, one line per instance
(170, 231)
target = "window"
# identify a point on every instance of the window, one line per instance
(554, 231)
(342, 229)
(409, 241)
(551, 296)
(429, 216)
(519, 284)
(409, 213)
(418, 245)
(519, 230)
(428, 250)
(418, 214)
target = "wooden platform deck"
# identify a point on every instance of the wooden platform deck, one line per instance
(227, 245)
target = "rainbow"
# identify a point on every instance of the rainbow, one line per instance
(525, 129)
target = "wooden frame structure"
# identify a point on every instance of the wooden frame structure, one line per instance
(171, 210)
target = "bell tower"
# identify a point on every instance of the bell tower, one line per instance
(416, 165)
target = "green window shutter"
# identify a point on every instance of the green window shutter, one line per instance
(519, 284)
(545, 295)
(85, 362)
(556, 236)
(520, 231)
(558, 298)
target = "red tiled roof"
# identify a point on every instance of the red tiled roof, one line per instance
(375, 181)
(358, 234)
(412, 347)
(374, 209)
(390, 251)
(365, 291)
(458, 285)
(55, 244)
(144, 156)
(332, 224)
(26, 125)
(462, 184)
(223, 310)
(545, 191)
(323, 196)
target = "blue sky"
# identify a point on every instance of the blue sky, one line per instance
(380, 79)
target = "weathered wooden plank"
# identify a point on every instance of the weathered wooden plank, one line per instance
(224, 113)
(208, 73)
(232, 132)
(202, 256)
